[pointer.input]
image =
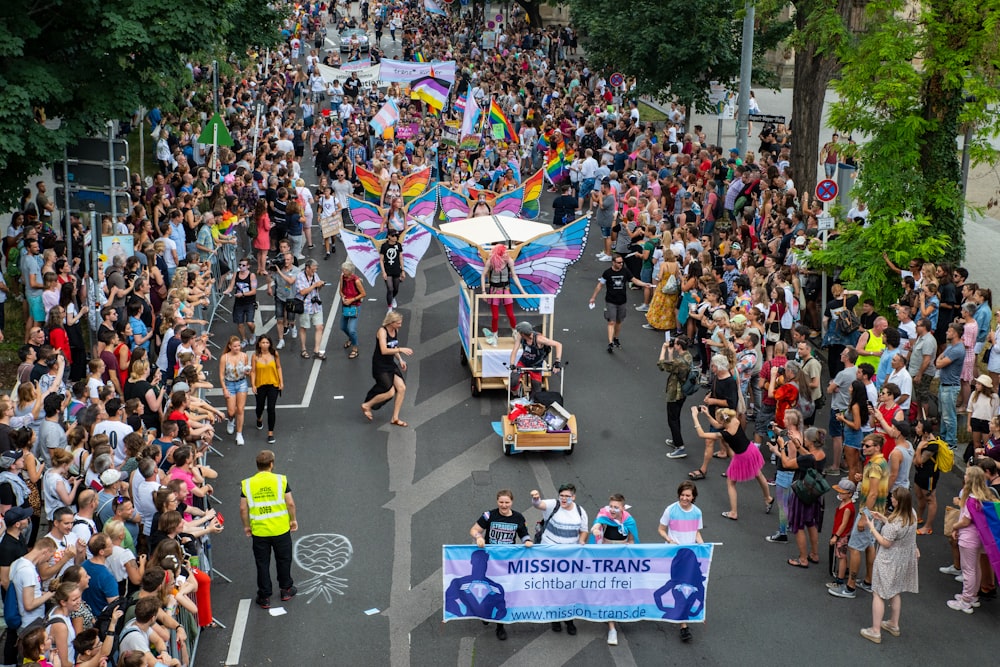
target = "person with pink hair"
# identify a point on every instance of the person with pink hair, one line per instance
(498, 273)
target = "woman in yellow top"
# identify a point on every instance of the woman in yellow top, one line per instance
(267, 382)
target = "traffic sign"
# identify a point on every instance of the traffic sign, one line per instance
(617, 79)
(826, 223)
(90, 175)
(765, 118)
(92, 149)
(81, 200)
(826, 190)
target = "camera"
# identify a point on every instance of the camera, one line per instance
(275, 263)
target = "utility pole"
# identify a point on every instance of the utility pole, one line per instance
(746, 72)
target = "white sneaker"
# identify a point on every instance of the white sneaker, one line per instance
(606, 258)
(295, 332)
(642, 307)
(244, 344)
(599, 254)
(239, 439)
(949, 569)
(231, 426)
(960, 578)
(281, 344)
(612, 637)
(394, 304)
(253, 340)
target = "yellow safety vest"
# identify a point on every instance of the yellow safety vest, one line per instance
(265, 495)
(874, 344)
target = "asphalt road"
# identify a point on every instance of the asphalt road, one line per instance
(398, 494)
(375, 504)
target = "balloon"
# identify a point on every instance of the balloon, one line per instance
(490, 25)
(499, 18)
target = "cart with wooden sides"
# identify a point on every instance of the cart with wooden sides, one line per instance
(489, 362)
(556, 432)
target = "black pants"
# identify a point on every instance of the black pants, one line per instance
(262, 547)
(267, 395)
(10, 647)
(391, 289)
(674, 421)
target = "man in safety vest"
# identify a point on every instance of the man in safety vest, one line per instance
(268, 513)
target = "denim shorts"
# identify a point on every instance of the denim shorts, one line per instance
(238, 386)
(646, 274)
(605, 232)
(836, 426)
(861, 540)
(852, 437)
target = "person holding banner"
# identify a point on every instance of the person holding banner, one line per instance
(614, 525)
(502, 525)
(565, 523)
(681, 523)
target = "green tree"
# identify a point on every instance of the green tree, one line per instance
(674, 48)
(82, 63)
(907, 85)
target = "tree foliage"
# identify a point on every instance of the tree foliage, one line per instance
(674, 48)
(84, 62)
(907, 86)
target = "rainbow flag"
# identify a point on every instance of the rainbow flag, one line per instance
(420, 57)
(556, 167)
(986, 517)
(497, 117)
(545, 141)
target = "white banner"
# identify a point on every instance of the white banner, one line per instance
(368, 76)
(404, 72)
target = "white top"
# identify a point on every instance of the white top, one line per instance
(565, 525)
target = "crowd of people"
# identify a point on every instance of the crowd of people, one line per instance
(109, 409)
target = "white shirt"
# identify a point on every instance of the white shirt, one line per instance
(902, 379)
(116, 432)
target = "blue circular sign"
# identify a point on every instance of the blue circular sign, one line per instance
(826, 190)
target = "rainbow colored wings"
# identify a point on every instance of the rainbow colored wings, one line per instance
(422, 207)
(541, 262)
(369, 181)
(412, 186)
(364, 252)
(464, 256)
(522, 202)
(367, 217)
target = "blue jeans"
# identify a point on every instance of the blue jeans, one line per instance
(349, 325)
(949, 420)
(829, 169)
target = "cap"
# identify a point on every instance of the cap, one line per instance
(524, 328)
(845, 486)
(15, 514)
(110, 476)
(734, 150)
(801, 241)
(8, 458)
(738, 319)
(736, 246)
(730, 261)
(181, 386)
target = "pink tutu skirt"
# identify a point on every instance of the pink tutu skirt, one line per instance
(745, 466)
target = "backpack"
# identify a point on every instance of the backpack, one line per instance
(251, 229)
(847, 322)
(11, 610)
(805, 404)
(14, 263)
(692, 382)
(944, 460)
(719, 209)
(811, 487)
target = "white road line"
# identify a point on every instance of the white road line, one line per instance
(239, 629)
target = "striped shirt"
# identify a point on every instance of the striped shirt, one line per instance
(682, 525)
(565, 526)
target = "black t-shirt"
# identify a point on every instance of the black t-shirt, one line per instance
(563, 208)
(612, 534)
(392, 258)
(726, 389)
(500, 529)
(850, 302)
(615, 282)
(351, 87)
(738, 442)
(5, 433)
(11, 549)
